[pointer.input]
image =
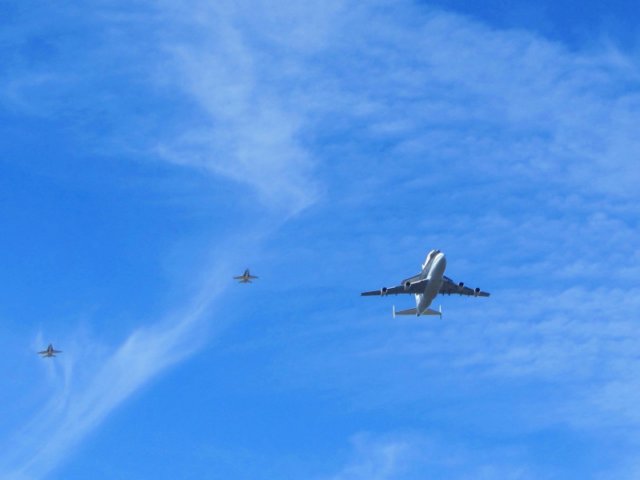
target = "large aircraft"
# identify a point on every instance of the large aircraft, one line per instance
(49, 352)
(426, 285)
(246, 277)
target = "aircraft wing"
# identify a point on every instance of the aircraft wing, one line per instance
(385, 291)
(450, 287)
(413, 279)
(411, 288)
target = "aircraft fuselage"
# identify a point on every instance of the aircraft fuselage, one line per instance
(433, 271)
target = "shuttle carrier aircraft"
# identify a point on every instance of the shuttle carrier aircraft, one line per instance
(426, 285)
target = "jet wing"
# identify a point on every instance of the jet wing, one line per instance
(411, 288)
(385, 291)
(413, 279)
(450, 287)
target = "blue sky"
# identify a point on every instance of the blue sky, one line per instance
(151, 150)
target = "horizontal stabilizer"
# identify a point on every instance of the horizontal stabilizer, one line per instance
(413, 311)
(410, 311)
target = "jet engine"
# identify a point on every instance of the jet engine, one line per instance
(383, 291)
(460, 286)
(476, 292)
(407, 285)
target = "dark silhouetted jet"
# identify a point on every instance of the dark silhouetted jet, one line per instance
(49, 352)
(246, 277)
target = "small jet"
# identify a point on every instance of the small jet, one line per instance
(426, 285)
(49, 352)
(246, 277)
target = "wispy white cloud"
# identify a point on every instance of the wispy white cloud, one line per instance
(240, 73)
(376, 459)
(485, 102)
(94, 380)
(246, 132)
(415, 456)
(204, 63)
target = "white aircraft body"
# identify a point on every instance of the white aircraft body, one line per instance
(49, 352)
(426, 285)
(246, 277)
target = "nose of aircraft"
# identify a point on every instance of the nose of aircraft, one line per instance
(440, 261)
